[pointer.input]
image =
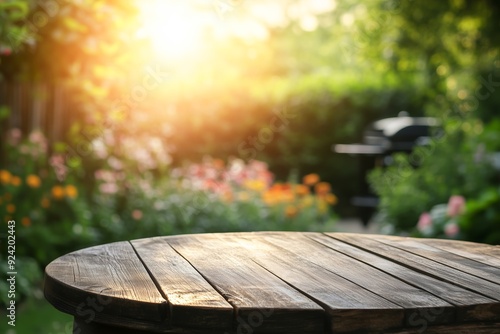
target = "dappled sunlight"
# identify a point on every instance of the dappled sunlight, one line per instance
(174, 28)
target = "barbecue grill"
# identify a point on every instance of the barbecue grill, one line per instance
(381, 139)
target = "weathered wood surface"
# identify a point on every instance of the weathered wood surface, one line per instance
(279, 282)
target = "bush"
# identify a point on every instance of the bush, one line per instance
(60, 206)
(461, 163)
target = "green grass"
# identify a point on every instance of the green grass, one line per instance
(38, 316)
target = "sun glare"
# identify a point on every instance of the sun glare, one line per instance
(174, 28)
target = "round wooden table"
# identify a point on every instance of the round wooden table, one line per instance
(279, 282)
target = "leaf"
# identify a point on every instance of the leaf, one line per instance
(73, 24)
(4, 112)
(16, 10)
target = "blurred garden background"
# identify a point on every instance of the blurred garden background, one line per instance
(124, 119)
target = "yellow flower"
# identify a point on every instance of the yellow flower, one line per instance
(322, 188)
(243, 196)
(71, 191)
(322, 207)
(11, 208)
(15, 181)
(45, 203)
(306, 202)
(57, 192)
(5, 176)
(26, 221)
(291, 211)
(256, 185)
(310, 179)
(33, 181)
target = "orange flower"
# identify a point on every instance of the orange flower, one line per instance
(57, 192)
(45, 203)
(26, 221)
(310, 179)
(331, 199)
(269, 197)
(302, 190)
(227, 196)
(15, 181)
(71, 191)
(33, 181)
(322, 188)
(218, 163)
(291, 211)
(11, 208)
(5, 176)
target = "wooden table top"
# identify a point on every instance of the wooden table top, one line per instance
(282, 282)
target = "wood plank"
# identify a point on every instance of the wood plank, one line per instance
(409, 297)
(424, 265)
(470, 306)
(263, 302)
(350, 307)
(108, 284)
(194, 303)
(476, 252)
(415, 246)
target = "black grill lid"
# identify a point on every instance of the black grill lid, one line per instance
(391, 135)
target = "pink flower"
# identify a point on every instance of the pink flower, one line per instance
(456, 205)
(424, 222)
(137, 214)
(108, 188)
(115, 163)
(57, 163)
(105, 175)
(14, 136)
(37, 138)
(5, 50)
(451, 230)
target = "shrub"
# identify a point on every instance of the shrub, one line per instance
(460, 163)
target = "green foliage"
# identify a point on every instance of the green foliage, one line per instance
(30, 275)
(481, 220)
(459, 163)
(12, 32)
(114, 195)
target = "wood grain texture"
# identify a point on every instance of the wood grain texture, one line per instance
(105, 283)
(470, 306)
(279, 282)
(193, 302)
(349, 306)
(259, 297)
(408, 297)
(477, 252)
(424, 265)
(456, 261)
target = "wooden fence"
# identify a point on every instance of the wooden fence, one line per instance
(37, 106)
